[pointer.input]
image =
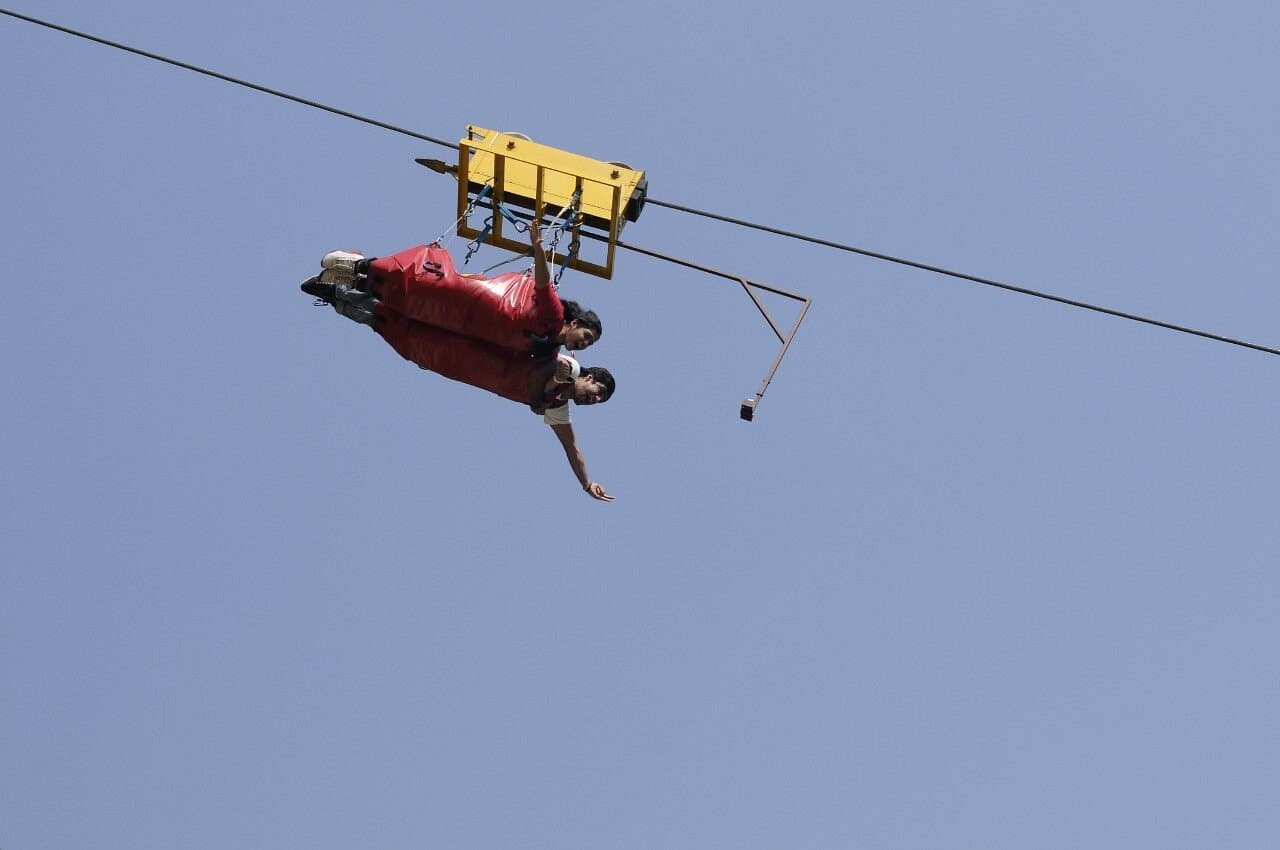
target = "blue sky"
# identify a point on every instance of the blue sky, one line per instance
(984, 572)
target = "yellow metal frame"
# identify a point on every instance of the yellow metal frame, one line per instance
(540, 178)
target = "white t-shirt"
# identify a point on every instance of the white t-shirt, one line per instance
(556, 415)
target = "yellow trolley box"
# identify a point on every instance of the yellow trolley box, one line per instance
(519, 172)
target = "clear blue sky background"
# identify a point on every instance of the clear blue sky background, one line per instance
(985, 572)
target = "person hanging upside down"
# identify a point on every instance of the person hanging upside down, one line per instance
(520, 311)
(547, 385)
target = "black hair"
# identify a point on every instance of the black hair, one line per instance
(604, 378)
(588, 319)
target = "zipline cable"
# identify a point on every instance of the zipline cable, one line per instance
(961, 275)
(225, 78)
(1133, 317)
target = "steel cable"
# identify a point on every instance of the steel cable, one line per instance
(1134, 317)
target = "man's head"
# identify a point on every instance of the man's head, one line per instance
(594, 385)
(582, 328)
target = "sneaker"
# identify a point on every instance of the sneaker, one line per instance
(339, 266)
(336, 277)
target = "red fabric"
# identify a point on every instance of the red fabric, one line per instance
(500, 310)
(460, 358)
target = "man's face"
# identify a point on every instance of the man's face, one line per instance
(577, 338)
(587, 391)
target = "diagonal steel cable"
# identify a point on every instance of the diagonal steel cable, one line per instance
(229, 79)
(1022, 290)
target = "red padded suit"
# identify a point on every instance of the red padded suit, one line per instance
(464, 359)
(421, 283)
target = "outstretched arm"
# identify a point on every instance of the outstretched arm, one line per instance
(541, 273)
(579, 465)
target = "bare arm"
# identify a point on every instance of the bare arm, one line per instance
(579, 465)
(541, 273)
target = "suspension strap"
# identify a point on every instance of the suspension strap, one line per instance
(502, 209)
(474, 244)
(520, 225)
(569, 257)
